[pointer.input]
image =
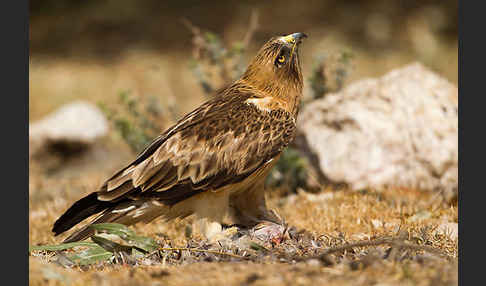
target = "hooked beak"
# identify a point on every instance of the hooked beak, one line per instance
(293, 40)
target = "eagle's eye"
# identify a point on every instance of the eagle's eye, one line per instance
(280, 60)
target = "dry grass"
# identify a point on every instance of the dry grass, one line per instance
(243, 273)
(331, 218)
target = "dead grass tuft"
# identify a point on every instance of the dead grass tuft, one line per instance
(338, 238)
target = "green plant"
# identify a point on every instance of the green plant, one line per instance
(135, 120)
(102, 249)
(289, 172)
(214, 63)
(329, 73)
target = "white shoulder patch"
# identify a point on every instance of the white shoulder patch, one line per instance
(261, 103)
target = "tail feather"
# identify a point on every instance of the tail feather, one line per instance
(127, 213)
(87, 231)
(79, 211)
(124, 212)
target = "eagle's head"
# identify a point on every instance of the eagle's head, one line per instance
(276, 69)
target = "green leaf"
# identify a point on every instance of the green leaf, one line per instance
(256, 246)
(237, 49)
(106, 110)
(114, 228)
(124, 96)
(211, 37)
(109, 245)
(146, 243)
(91, 255)
(112, 246)
(61, 246)
(346, 56)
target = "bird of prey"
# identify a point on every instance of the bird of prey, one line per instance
(213, 162)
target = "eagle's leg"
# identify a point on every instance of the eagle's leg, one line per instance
(211, 208)
(248, 208)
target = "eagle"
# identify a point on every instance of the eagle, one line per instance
(213, 162)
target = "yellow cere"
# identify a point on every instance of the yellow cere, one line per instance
(288, 39)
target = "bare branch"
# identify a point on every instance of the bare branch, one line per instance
(198, 41)
(252, 28)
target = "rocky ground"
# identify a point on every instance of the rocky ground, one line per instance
(400, 237)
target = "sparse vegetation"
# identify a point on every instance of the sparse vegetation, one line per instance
(339, 236)
(329, 73)
(391, 237)
(136, 121)
(214, 63)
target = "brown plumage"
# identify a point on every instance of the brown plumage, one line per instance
(215, 159)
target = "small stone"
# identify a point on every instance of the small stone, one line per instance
(419, 216)
(313, 262)
(377, 223)
(450, 229)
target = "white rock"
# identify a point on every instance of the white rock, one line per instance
(78, 122)
(400, 130)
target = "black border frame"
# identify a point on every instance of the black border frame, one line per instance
(15, 117)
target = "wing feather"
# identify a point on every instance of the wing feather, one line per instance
(219, 144)
(123, 189)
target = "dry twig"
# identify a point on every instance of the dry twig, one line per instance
(198, 41)
(201, 250)
(398, 243)
(251, 28)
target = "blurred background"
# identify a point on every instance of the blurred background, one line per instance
(147, 63)
(94, 49)
(138, 66)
